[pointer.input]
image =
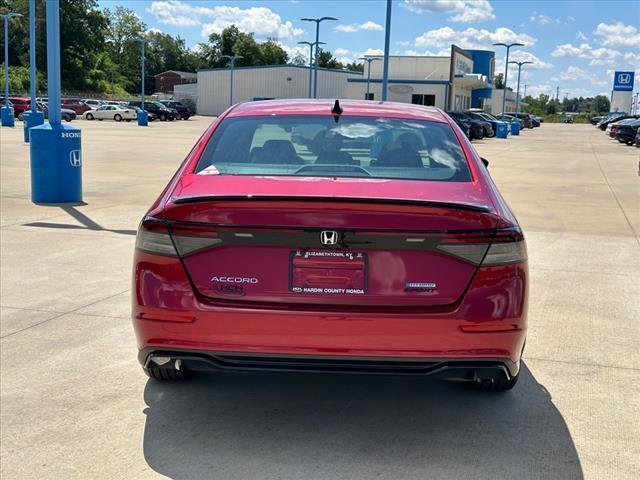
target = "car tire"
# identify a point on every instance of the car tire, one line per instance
(495, 385)
(128, 120)
(66, 118)
(171, 119)
(163, 117)
(117, 117)
(89, 116)
(164, 374)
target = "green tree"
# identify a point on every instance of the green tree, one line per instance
(326, 60)
(601, 104)
(272, 54)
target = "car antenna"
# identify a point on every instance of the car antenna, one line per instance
(336, 111)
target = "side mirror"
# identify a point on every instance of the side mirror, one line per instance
(485, 162)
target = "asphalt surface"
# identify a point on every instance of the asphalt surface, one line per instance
(75, 404)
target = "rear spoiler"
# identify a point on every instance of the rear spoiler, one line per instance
(392, 201)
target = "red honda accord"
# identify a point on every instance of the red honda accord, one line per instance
(332, 236)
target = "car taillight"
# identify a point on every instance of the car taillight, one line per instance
(507, 246)
(171, 239)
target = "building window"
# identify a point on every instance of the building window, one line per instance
(419, 99)
(368, 96)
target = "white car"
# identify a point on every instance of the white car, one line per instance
(111, 112)
(93, 103)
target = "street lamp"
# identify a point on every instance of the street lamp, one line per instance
(232, 59)
(7, 111)
(33, 117)
(506, 68)
(315, 70)
(368, 60)
(520, 64)
(143, 118)
(311, 45)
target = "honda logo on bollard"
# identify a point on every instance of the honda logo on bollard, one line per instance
(75, 158)
(329, 237)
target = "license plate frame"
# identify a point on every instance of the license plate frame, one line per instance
(328, 272)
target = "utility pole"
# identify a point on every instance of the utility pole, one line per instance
(558, 93)
(525, 90)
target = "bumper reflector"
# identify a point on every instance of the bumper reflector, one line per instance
(167, 317)
(489, 328)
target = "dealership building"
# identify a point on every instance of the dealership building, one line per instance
(460, 81)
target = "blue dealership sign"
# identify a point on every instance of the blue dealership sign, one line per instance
(623, 82)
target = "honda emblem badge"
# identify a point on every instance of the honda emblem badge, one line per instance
(329, 237)
(75, 158)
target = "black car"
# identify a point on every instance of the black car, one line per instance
(476, 130)
(612, 119)
(489, 126)
(184, 110)
(597, 119)
(526, 119)
(163, 113)
(626, 133)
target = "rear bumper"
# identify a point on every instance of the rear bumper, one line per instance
(446, 368)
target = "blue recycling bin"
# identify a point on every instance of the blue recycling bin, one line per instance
(502, 129)
(29, 120)
(7, 116)
(143, 118)
(56, 164)
(515, 128)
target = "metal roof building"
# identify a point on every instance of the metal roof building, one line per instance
(265, 82)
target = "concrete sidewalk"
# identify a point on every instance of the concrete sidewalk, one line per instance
(74, 402)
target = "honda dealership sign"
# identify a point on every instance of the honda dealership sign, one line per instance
(623, 82)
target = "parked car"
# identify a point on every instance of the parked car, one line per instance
(92, 103)
(612, 128)
(163, 113)
(597, 119)
(638, 143)
(490, 125)
(150, 116)
(20, 104)
(505, 117)
(626, 131)
(111, 112)
(184, 110)
(66, 114)
(476, 128)
(76, 105)
(535, 121)
(526, 119)
(239, 264)
(604, 124)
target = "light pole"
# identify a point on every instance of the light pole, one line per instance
(33, 117)
(525, 90)
(520, 64)
(143, 117)
(7, 111)
(315, 70)
(311, 45)
(232, 59)
(368, 60)
(385, 63)
(506, 69)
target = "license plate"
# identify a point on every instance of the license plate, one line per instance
(328, 272)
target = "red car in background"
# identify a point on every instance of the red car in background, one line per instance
(20, 104)
(322, 236)
(75, 104)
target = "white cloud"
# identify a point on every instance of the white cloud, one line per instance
(582, 37)
(341, 51)
(618, 35)
(154, 30)
(355, 27)
(597, 56)
(632, 59)
(574, 74)
(403, 43)
(471, 37)
(372, 52)
(465, 11)
(543, 19)
(261, 21)
(571, 19)
(522, 56)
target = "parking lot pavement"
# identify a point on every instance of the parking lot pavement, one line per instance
(75, 404)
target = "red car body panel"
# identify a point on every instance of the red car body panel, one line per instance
(479, 312)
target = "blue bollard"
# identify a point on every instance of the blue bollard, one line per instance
(56, 164)
(515, 128)
(143, 118)
(502, 130)
(7, 116)
(29, 120)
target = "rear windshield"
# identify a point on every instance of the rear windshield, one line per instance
(358, 147)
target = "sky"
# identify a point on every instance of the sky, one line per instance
(575, 45)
